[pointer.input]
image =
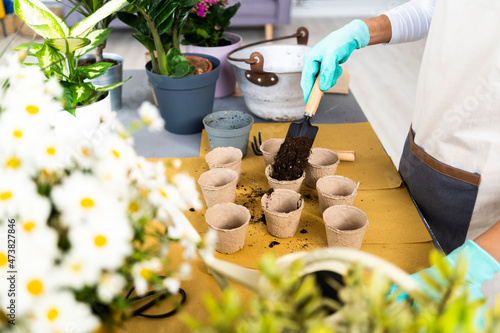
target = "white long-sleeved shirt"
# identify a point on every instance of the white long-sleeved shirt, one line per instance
(411, 20)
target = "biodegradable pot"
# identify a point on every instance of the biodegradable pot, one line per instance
(230, 223)
(270, 149)
(282, 209)
(345, 226)
(185, 101)
(293, 185)
(321, 162)
(228, 129)
(113, 75)
(335, 190)
(218, 185)
(225, 157)
(226, 83)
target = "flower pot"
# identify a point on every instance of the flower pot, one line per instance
(345, 226)
(218, 185)
(322, 162)
(230, 223)
(113, 75)
(227, 80)
(335, 190)
(228, 128)
(293, 185)
(225, 157)
(75, 130)
(282, 209)
(270, 149)
(185, 101)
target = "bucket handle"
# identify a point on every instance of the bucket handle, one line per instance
(256, 74)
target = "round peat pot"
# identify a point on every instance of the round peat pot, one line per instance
(228, 129)
(185, 101)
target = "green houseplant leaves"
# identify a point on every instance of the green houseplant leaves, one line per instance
(58, 55)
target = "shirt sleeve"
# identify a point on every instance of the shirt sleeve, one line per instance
(411, 20)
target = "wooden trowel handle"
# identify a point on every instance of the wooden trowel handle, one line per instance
(346, 155)
(314, 99)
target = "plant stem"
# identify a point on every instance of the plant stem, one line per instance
(175, 35)
(162, 57)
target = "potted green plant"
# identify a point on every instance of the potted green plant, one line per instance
(205, 32)
(184, 94)
(114, 74)
(63, 46)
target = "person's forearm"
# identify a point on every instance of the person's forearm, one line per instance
(380, 29)
(490, 241)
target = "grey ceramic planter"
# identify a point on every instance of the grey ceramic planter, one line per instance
(228, 129)
(113, 75)
(185, 101)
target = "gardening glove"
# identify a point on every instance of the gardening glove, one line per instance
(331, 51)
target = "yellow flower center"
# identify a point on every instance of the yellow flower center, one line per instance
(3, 259)
(13, 163)
(133, 207)
(86, 152)
(32, 109)
(52, 314)
(87, 203)
(147, 120)
(28, 226)
(76, 268)
(146, 273)
(35, 287)
(163, 193)
(5, 195)
(18, 134)
(51, 150)
(100, 241)
(117, 154)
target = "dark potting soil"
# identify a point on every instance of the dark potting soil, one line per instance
(291, 160)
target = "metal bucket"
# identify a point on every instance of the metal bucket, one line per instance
(269, 77)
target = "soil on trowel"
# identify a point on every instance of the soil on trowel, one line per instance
(291, 160)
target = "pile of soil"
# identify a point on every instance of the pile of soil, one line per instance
(91, 61)
(291, 160)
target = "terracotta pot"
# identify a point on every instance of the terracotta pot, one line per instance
(321, 162)
(218, 185)
(282, 209)
(335, 190)
(293, 185)
(230, 222)
(270, 149)
(345, 226)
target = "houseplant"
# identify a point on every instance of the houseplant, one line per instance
(82, 216)
(205, 32)
(183, 99)
(62, 46)
(114, 74)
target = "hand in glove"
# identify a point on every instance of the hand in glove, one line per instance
(331, 51)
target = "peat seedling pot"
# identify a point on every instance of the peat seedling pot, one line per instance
(345, 226)
(282, 209)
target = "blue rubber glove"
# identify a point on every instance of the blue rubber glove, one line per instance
(331, 51)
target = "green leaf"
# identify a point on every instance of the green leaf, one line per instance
(82, 92)
(31, 48)
(177, 64)
(67, 45)
(113, 86)
(94, 70)
(89, 22)
(202, 32)
(148, 42)
(137, 22)
(48, 59)
(39, 18)
(96, 37)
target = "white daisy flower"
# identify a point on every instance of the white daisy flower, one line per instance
(185, 271)
(34, 106)
(81, 197)
(177, 163)
(18, 133)
(142, 273)
(77, 271)
(109, 286)
(117, 150)
(60, 312)
(49, 154)
(187, 188)
(106, 239)
(114, 179)
(165, 194)
(172, 284)
(53, 88)
(35, 280)
(151, 117)
(14, 188)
